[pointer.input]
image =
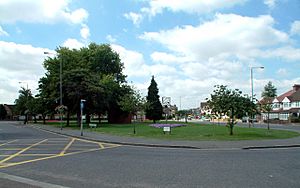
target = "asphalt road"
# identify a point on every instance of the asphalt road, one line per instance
(78, 163)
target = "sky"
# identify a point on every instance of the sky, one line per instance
(188, 45)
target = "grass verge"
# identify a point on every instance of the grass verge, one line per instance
(192, 132)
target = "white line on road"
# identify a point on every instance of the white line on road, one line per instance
(29, 181)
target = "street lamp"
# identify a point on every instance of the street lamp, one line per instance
(60, 86)
(251, 80)
(82, 101)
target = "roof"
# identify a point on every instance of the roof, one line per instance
(292, 95)
(266, 100)
(287, 94)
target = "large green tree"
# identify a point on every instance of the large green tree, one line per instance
(93, 73)
(23, 106)
(232, 103)
(154, 109)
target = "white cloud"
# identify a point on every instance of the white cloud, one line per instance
(226, 35)
(220, 69)
(282, 72)
(135, 65)
(134, 62)
(85, 32)
(295, 28)
(19, 63)
(42, 11)
(2, 32)
(163, 57)
(134, 17)
(287, 53)
(270, 3)
(189, 6)
(111, 39)
(73, 44)
(219, 51)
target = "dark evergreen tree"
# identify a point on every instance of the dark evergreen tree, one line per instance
(269, 91)
(154, 109)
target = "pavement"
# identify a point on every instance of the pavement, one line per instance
(206, 145)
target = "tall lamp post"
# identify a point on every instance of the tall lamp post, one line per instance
(251, 80)
(60, 87)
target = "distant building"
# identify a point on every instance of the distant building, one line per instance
(9, 111)
(285, 106)
(204, 109)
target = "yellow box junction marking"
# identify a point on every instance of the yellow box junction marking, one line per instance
(8, 142)
(23, 150)
(67, 147)
(4, 164)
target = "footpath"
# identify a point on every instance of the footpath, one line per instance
(208, 145)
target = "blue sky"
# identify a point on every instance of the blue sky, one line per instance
(189, 46)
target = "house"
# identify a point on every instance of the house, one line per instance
(9, 111)
(286, 106)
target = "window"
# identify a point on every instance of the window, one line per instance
(284, 116)
(286, 105)
(276, 105)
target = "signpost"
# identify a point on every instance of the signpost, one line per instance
(167, 129)
(166, 102)
(81, 117)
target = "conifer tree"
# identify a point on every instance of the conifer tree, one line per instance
(154, 108)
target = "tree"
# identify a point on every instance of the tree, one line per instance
(154, 110)
(184, 113)
(93, 73)
(269, 91)
(232, 103)
(268, 94)
(132, 102)
(3, 112)
(23, 103)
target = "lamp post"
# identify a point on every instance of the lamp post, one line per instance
(251, 80)
(60, 87)
(81, 115)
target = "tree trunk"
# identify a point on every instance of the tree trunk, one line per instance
(88, 118)
(268, 120)
(35, 119)
(99, 116)
(44, 119)
(68, 118)
(232, 121)
(78, 119)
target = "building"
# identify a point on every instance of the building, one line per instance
(9, 111)
(286, 106)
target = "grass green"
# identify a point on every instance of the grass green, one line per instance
(192, 132)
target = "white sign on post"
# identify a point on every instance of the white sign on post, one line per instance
(167, 129)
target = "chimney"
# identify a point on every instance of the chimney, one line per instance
(296, 87)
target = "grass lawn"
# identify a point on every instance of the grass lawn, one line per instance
(191, 131)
